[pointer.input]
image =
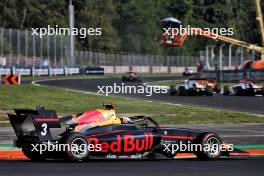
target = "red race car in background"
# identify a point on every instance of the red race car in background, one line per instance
(131, 77)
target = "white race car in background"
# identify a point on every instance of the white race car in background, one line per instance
(244, 88)
(192, 88)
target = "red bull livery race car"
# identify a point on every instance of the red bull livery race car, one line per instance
(99, 133)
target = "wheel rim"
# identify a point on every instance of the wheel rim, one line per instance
(79, 148)
(214, 146)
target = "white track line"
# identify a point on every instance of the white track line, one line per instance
(87, 92)
(242, 135)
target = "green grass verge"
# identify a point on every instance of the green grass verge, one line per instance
(28, 96)
(90, 76)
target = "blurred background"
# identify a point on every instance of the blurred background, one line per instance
(130, 30)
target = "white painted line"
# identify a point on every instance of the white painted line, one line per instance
(147, 84)
(35, 83)
(72, 90)
(259, 115)
(175, 104)
(241, 136)
(129, 98)
(4, 121)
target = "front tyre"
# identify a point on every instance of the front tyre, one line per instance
(218, 88)
(211, 144)
(226, 90)
(124, 78)
(208, 91)
(139, 79)
(78, 147)
(238, 91)
(181, 91)
(262, 92)
(173, 90)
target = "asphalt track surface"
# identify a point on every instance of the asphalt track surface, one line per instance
(247, 104)
(237, 134)
(186, 167)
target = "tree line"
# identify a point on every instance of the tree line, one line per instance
(134, 25)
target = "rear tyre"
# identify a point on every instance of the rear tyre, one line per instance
(181, 91)
(139, 79)
(218, 88)
(211, 144)
(226, 90)
(173, 90)
(209, 91)
(78, 147)
(124, 78)
(238, 91)
(29, 152)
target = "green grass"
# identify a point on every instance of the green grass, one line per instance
(66, 102)
(90, 76)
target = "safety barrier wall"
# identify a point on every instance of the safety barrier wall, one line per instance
(236, 75)
(145, 69)
(44, 71)
(40, 71)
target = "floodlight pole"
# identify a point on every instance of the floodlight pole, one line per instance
(71, 37)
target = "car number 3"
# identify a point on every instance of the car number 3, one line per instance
(44, 129)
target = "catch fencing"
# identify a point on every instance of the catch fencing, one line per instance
(22, 49)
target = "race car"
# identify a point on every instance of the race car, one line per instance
(136, 137)
(192, 87)
(209, 82)
(244, 88)
(131, 77)
(187, 72)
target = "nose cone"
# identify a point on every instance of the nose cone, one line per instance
(171, 20)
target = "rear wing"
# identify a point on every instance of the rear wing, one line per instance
(38, 122)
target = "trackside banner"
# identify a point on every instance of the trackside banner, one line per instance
(40, 71)
(56, 71)
(72, 70)
(23, 71)
(94, 71)
(51, 71)
(5, 71)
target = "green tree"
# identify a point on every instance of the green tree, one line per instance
(98, 14)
